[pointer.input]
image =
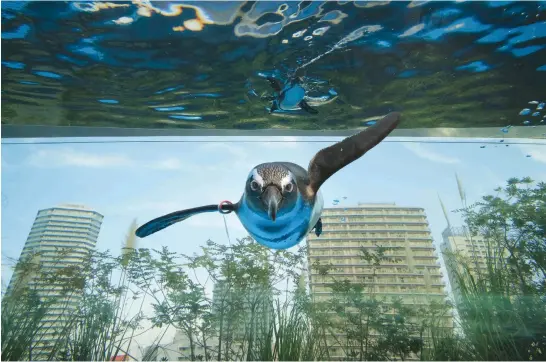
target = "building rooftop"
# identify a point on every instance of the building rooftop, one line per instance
(74, 206)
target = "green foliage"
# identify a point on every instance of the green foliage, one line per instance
(262, 310)
(502, 309)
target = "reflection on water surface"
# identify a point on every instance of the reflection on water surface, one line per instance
(201, 65)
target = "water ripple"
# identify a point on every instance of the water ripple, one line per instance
(142, 63)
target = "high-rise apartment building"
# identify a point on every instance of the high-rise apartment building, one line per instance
(458, 245)
(239, 316)
(410, 269)
(60, 237)
(242, 315)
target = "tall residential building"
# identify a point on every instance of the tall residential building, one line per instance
(239, 316)
(457, 243)
(242, 314)
(410, 269)
(62, 236)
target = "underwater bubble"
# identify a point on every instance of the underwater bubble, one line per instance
(525, 112)
(526, 122)
(186, 118)
(13, 65)
(371, 123)
(299, 34)
(108, 101)
(170, 89)
(536, 114)
(541, 106)
(47, 74)
(124, 20)
(533, 102)
(504, 130)
(29, 82)
(541, 121)
(168, 109)
(332, 92)
(320, 31)
(284, 41)
(308, 37)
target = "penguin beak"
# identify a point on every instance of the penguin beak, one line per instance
(271, 198)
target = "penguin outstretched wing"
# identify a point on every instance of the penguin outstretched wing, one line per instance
(332, 159)
(165, 221)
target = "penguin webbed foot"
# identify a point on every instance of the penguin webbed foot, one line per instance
(306, 107)
(318, 228)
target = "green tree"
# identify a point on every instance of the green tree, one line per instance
(502, 311)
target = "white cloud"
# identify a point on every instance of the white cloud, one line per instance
(68, 157)
(168, 164)
(421, 151)
(538, 153)
(220, 148)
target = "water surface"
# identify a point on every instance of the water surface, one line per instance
(201, 65)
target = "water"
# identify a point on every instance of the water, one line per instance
(383, 262)
(201, 64)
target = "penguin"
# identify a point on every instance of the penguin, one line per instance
(281, 202)
(290, 97)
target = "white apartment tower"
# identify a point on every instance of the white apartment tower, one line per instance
(63, 236)
(458, 245)
(410, 269)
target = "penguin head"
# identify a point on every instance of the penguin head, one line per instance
(272, 189)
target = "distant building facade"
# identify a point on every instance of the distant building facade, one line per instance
(239, 317)
(60, 236)
(410, 269)
(457, 245)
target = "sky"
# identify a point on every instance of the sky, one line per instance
(143, 180)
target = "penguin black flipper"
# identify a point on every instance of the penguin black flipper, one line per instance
(275, 84)
(332, 159)
(306, 107)
(165, 221)
(318, 227)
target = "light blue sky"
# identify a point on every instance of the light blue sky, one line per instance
(144, 180)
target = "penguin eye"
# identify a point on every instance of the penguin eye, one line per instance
(254, 186)
(289, 187)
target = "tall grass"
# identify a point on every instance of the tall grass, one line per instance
(69, 312)
(501, 309)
